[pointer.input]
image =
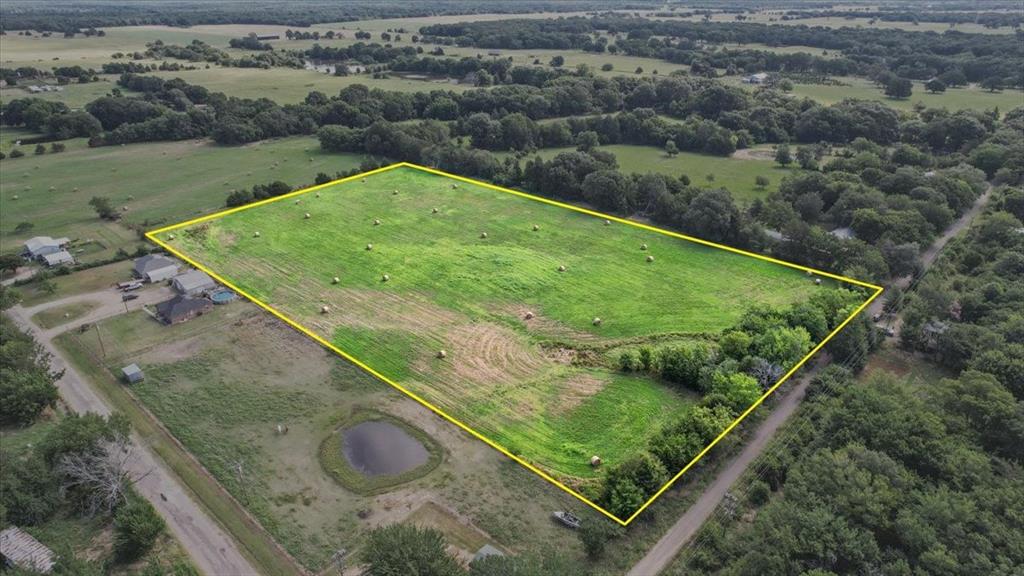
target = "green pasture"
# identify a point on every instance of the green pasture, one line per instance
(159, 183)
(967, 98)
(737, 175)
(450, 288)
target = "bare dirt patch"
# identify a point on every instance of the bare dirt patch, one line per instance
(577, 388)
(492, 355)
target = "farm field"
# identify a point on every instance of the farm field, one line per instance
(158, 183)
(734, 174)
(485, 327)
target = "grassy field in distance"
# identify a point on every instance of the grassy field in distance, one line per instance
(451, 288)
(160, 182)
(735, 174)
(971, 98)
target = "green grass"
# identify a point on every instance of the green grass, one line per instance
(450, 289)
(74, 95)
(734, 174)
(63, 314)
(967, 98)
(335, 463)
(88, 280)
(158, 183)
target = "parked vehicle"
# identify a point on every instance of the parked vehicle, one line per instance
(127, 297)
(567, 518)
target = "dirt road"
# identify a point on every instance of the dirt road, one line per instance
(211, 549)
(666, 549)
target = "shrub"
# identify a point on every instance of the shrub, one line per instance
(136, 528)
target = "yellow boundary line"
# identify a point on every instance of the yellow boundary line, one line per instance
(151, 235)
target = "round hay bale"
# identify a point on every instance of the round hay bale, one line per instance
(297, 201)
(535, 227)
(455, 186)
(561, 268)
(310, 159)
(256, 234)
(385, 278)
(817, 281)
(362, 180)
(335, 280)
(643, 246)
(317, 194)
(595, 461)
(376, 222)
(434, 210)
(369, 246)
(324, 309)
(442, 354)
(124, 208)
(607, 222)
(597, 321)
(75, 189)
(307, 217)
(650, 258)
(809, 273)
(52, 188)
(394, 192)
(483, 234)
(170, 236)
(528, 316)
(15, 197)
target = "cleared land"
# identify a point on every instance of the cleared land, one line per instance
(158, 183)
(525, 365)
(734, 174)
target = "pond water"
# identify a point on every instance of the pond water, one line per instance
(379, 448)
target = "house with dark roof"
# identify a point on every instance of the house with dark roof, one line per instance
(155, 267)
(182, 308)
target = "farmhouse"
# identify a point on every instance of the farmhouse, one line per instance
(36, 248)
(759, 78)
(19, 549)
(193, 282)
(155, 268)
(58, 258)
(133, 374)
(181, 309)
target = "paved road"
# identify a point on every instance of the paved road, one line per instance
(665, 550)
(211, 549)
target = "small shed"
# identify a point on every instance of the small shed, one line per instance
(19, 549)
(193, 282)
(485, 551)
(133, 374)
(58, 258)
(155, 267)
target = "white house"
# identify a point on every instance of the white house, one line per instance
(759, 78)
(58, 258)
(155, 268)
(193, 282)
(36, 248)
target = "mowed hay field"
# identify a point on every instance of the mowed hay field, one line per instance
(523, 360)
(158, 183)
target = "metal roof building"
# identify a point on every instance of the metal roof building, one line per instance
(20, 549)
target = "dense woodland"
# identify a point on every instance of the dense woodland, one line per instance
(911, 475)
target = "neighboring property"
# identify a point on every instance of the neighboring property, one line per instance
(133, 374)
(193, 282)
(36, 248)
(58, 258)
(155, 268)
(845, 233)
(759, 78)
(182, 308)
(19, 549)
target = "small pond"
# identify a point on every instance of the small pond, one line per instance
(380, 448)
